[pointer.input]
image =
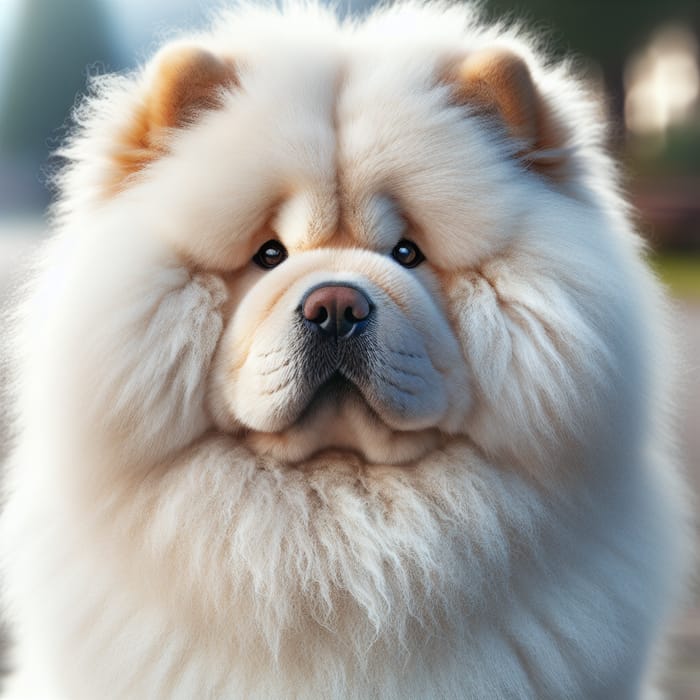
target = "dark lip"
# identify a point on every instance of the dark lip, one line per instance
(336, 384)
(335, 389)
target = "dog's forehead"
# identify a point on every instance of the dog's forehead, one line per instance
(397, 151)
(319, 218)
(344, 187)
(352, 151)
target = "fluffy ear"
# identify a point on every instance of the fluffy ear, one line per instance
(498, 83)
(182, 82)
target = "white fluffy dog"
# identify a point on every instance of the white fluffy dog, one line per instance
(340, 378)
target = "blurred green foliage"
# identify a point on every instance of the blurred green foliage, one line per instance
(680, 273)
(680, 154)
(605, 31)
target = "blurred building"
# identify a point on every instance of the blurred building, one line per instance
(49, 55)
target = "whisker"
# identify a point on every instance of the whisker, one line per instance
(402, 389)
(400, 370)
(268, 372)
(276, 389)
(274, 351)
(401, 353)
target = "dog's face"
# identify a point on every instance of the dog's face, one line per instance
(387, 231)
(340, 347)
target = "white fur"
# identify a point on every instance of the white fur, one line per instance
(517, 532)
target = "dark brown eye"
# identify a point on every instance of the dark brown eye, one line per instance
(407, 253)
(270, 255)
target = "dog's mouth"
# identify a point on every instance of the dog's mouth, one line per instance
(336, 390)
(338, 419)
(383, 394)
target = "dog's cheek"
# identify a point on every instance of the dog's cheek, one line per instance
(482, 331)
(139, 386)
(162, 394)
(254, 384)
(538, 368)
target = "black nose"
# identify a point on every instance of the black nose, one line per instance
(337, 311)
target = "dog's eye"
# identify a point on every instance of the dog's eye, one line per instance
(407, 253)
(270, 255)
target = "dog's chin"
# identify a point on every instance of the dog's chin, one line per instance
(338, 419)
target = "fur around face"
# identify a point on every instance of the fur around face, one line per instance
(485, 506)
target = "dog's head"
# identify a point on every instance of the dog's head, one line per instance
(405, 235)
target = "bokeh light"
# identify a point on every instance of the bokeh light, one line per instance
(662, 82)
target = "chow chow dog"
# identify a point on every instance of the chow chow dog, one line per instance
(341, 376)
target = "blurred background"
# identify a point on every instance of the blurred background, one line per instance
(642, 56)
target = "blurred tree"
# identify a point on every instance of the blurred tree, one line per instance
(607, 32)
(55, 44)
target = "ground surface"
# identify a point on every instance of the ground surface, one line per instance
(684, 669)
(18, 242)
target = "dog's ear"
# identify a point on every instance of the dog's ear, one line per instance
(182, 82)
(497, 83)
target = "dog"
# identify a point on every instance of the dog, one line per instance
(341, 376)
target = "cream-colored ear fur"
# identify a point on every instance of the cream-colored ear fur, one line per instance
(185, 80)
(498, 82)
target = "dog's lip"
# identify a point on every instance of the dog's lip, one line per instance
(347, 455)
(337, 386)
(335, 426)
(335, 389)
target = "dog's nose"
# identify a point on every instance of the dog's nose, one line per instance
(337, 311)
